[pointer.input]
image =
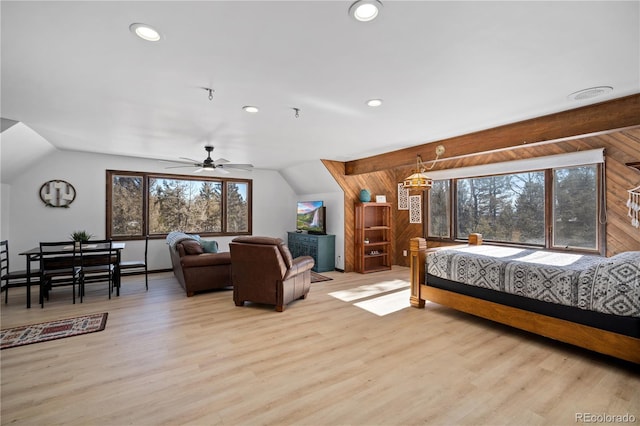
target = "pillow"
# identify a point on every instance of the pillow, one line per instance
(192, 247)
(209, 246)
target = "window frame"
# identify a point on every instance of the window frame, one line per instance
(146, 176)
(548, 212)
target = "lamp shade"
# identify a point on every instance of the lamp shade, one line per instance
(418, 180)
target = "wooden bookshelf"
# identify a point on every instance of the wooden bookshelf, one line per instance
(373, 237)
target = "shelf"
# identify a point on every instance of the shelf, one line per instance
(374, 223)
(378, 269)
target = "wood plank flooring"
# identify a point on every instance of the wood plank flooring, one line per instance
(165, 359)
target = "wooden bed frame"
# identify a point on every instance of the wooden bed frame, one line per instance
(595, 339)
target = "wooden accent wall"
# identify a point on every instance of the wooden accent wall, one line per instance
(622, 145)
(378, 183)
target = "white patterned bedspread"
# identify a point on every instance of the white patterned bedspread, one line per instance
(607, 285)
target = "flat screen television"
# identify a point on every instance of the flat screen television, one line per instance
(311, 217)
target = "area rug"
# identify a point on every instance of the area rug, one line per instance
(316, 277)
(42, 332)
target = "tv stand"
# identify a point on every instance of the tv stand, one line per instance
(321, 247)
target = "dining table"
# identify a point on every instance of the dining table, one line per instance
(33, 255)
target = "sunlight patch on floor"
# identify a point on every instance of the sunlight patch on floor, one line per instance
(369, 290)
(380, 298)
(386, 304)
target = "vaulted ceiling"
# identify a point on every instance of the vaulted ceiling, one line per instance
(75, 74)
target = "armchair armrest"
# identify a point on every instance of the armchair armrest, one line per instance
(205, 259)
(300, 265)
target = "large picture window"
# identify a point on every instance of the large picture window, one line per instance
(519, 208)
(507, 208)
(143, 203)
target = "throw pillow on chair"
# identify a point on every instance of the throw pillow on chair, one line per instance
(192, 247)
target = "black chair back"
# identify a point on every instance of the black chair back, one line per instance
(59, 265)
(97, 253)
(130, 267)
(4, 258)
(98, 262)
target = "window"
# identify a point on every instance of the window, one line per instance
(575, 207)
(439, 209)
(144, 203)
(508, 208)
(518, 208)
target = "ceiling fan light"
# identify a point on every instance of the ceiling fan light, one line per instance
(145, 32)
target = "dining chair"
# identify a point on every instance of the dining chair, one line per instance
(18, 277)
(59, 265)
(98, 262)
(131, 267)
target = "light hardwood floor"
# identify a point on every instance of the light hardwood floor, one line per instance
(165, 359)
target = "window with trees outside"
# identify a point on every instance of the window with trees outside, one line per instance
(518, 208)
(140, 204)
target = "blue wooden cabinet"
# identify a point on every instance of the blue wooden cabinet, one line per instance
(321, 247)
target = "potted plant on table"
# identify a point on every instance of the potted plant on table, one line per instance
(80, 237)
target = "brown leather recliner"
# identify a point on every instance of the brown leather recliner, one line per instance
(263, 271)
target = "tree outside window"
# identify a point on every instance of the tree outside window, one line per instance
(158, 204)
(518, 208)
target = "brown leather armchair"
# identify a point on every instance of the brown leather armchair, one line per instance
(263, 271)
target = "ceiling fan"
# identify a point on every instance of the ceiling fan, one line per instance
(218, 165)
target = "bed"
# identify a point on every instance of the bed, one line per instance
(589, 301)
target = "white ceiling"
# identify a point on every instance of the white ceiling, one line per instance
(74, 73)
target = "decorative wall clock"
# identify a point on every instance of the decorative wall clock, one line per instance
(57, 193)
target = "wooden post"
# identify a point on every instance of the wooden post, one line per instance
(418, 248)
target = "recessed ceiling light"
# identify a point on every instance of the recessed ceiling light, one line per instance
(374, 102)
(251, 109)
(365, 10)
(145, 32)
(589, 93)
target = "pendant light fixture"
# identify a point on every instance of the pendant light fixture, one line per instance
(419, 179)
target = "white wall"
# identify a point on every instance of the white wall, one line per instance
(26, 220)
(312, 182)
(5, 193)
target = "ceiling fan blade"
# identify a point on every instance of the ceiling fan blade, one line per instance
(220, 161)
(183, 167)
(178, 162)
(191, 160)
(246, 167)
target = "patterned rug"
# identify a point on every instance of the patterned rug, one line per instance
(316, 277)
(42, 332)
